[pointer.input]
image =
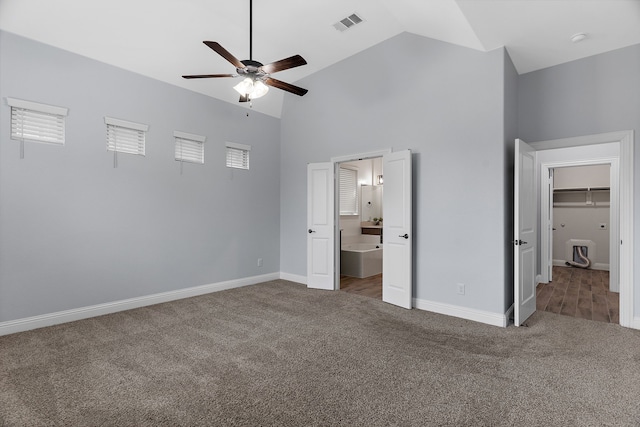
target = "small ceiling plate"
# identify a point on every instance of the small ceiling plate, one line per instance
(578, 37)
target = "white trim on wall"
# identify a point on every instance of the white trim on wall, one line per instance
(482, 316)
(362, 156)
(37, 106)
(50, 319)
(126, 124)
(187, 135)
(294, 278)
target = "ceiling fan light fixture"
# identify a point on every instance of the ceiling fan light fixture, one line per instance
(259, 89)
(256, 75)
(253, 89)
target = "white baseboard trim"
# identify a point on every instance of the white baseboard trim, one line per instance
(594, 266)
(293, 278)
(636, 323)
(494, 319)
(50, 319)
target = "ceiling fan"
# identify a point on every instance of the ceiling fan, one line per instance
(257, 77)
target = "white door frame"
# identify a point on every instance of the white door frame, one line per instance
(336, 165)
(546, 234)
(625, 140)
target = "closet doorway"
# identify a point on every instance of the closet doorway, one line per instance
(361, 187)
(616, 149)
(584, 228)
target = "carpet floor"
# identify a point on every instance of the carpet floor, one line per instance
(278, 354)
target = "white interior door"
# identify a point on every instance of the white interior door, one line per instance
(320, 228)
(397, 283)
(524, 212)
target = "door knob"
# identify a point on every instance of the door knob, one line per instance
(405, 235)
(519, 242)
(311, 231)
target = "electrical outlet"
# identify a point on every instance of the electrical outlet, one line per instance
(602, 226)
(460, 289)
(259, 262)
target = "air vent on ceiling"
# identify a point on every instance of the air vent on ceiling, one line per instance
(348, 22)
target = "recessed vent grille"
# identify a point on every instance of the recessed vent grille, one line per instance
(348, 22)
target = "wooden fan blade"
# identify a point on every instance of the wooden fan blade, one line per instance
(244, 98)
(224, 53)
(284, 64)
(285, 86)
(207, 76)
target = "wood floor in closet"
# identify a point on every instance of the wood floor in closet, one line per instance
(577, 292)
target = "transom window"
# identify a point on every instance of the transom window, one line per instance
(238, 155)
(125, 137)
(32, 121)
(189, 147)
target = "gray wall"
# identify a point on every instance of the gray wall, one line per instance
(74, 231)
(443, 102)
(593, 95)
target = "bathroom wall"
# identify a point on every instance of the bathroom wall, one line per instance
(367, 171)
(580, 214)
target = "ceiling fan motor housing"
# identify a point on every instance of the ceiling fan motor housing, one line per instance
(252, 68)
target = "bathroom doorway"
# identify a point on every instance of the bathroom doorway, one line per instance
(323, 219)
(361, 186)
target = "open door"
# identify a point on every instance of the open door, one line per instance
(524, 218)
(397, 283)
(550, 228)
(320, 232)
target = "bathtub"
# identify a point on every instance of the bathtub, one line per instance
(361, 259)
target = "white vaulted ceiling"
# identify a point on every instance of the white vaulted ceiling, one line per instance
(162, 39)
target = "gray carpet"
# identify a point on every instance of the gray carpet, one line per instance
(277, 354)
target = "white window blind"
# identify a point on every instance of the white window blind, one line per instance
(189, 147)
(125, 137)
(238, 155)
(32, 121)
(348, 192)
